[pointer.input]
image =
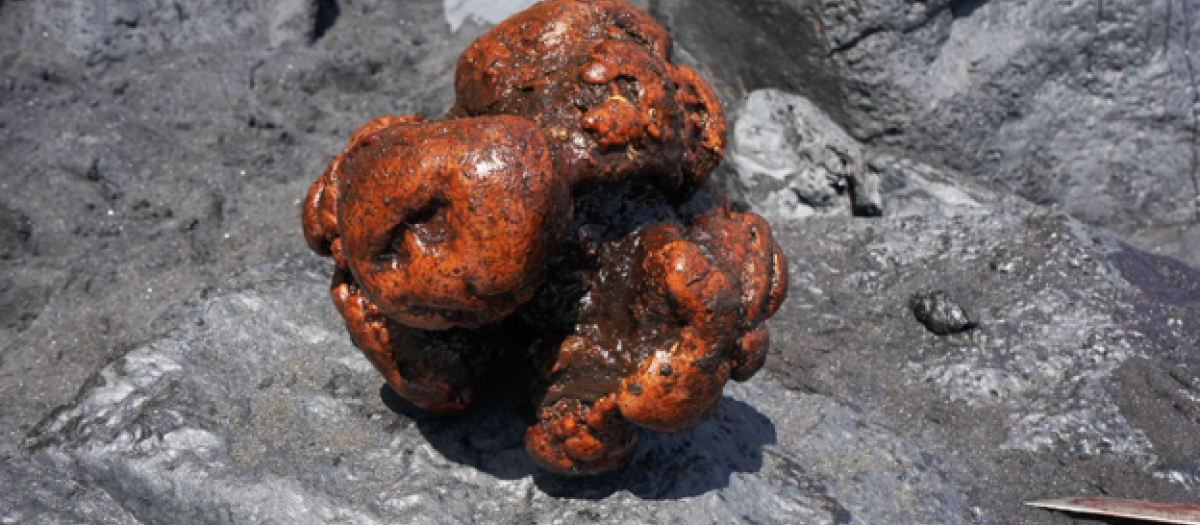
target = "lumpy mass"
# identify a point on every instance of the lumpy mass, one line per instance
(558, 225)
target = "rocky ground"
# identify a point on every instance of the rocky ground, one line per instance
(168, 353)
(1086, 106)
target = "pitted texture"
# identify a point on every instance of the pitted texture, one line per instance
(559, 220)
(596, 76)
(671, 315)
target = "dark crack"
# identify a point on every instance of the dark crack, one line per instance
(254, 73)
(1167, 31)
(853, 42)
(327, 15)
(1090, 50)
(965, 8)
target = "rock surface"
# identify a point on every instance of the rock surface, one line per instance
(1083, 104)
(256, 408)
(153, 282)
(252, 405)
(788, 160)
(148, 150)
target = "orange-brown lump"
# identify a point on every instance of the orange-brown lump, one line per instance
(559, 223)
(595, 75)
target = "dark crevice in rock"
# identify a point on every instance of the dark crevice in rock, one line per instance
(128, 23)
(1167, 29)
(959, 10)
(1090, 52)
(254, 72)
(327, 15)
(965, 8)
(852, 43)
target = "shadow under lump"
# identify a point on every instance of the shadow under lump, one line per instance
(666, 466)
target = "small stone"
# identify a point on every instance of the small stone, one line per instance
(940, 313)
(866, 196)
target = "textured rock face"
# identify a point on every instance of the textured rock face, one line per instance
(137, 181)
(253, 407)
(1088, 105)
(226, 376)
(202, 427)
(789, 160)
(748, 46)
(1082, 104)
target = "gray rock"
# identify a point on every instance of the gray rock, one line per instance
(866, 194)
(168, 335)
(940, 313)
(256, 408)
(253, 406)
(787, 159)
(1051, 394)
(112, 32)
(148, 161)
(47, 496)
(743, 47)
(1085, 104)
(15, 231)
(484, 12)
(911, 188)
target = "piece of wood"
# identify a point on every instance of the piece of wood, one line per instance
(1177, 513)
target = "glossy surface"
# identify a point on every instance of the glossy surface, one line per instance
(448, 223)
(558, 224)
(669, 317)
(596, 76)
